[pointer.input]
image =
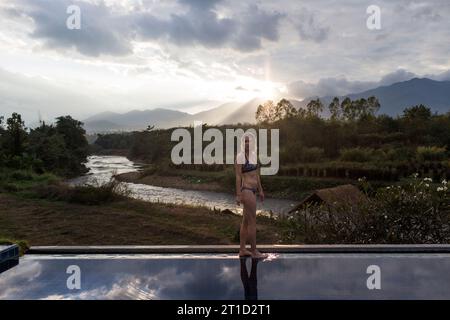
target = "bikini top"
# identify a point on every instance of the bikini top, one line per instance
(247, 167)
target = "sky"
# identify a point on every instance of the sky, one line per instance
(192, 55)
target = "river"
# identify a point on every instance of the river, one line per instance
(102, 168)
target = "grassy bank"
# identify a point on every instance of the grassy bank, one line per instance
(131, 222)
(44, 211)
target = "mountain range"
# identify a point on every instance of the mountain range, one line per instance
(393, 98)
(398, 96)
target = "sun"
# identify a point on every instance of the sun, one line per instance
(253, 88)
(268, 90)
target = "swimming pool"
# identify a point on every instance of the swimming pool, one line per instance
(223, 276)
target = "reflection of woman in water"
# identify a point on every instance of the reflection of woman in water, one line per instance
(248, 183)
(250, 282)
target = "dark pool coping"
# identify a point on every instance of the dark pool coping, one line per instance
(9, 252)
(9, 257)
(223, 249)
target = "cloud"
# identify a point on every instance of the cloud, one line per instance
(201, 25)
(101, 31)
(105, 31)
(444, 76)
(19, 277)
(396, 76)
(30, 95)
(309, 28)
(257, 25)
(125, 279)
(197, 26)
(422, 10)
(201, 4)
(145, 54)
(427, 13)
(328, 87)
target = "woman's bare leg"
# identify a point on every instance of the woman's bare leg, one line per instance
(250, 205)
(243, 233)
(243, 236)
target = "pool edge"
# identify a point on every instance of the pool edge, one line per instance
(406, 248)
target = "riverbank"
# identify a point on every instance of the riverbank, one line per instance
(277, 187)
(122, 222)
(184, 182)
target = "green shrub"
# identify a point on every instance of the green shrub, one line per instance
(22, 175)
(313, 154)
(416, 212)
(294, 153)
(398, 154)
(86, 194)
(9, 187)
(21, 180)
(357, 154)
(290, 153)
(433, 153)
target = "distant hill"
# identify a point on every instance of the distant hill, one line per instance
(245, 113)
(227, 113)
(398, 96)
(212, 116)
(133, 120)
(393, 99)
(100, 126)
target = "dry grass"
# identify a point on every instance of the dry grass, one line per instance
(124, 222)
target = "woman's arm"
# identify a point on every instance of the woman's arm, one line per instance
(260, 189)
(238, 170)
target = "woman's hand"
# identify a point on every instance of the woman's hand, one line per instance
(238, 199)
(261, 196)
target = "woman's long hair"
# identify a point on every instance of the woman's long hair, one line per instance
(252, 152)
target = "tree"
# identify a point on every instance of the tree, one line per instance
(360, 109)
(387, 124)
(75, 140)
(415, 122)
(335, 110)
(2, 131)
(314, 108)
(270, 113)
(419, 112)
(373, 105)
(72, 130)
(366, 108)
(14, 138)
(346, 108)
(49, 148)
(265, 112)
(284, 110)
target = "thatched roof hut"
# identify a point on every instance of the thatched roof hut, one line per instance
(333, 197)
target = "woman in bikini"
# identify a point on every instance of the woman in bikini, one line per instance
(248, 184)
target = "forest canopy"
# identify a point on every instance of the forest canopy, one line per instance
(60, 148)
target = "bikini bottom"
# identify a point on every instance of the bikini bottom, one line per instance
(250, 189)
